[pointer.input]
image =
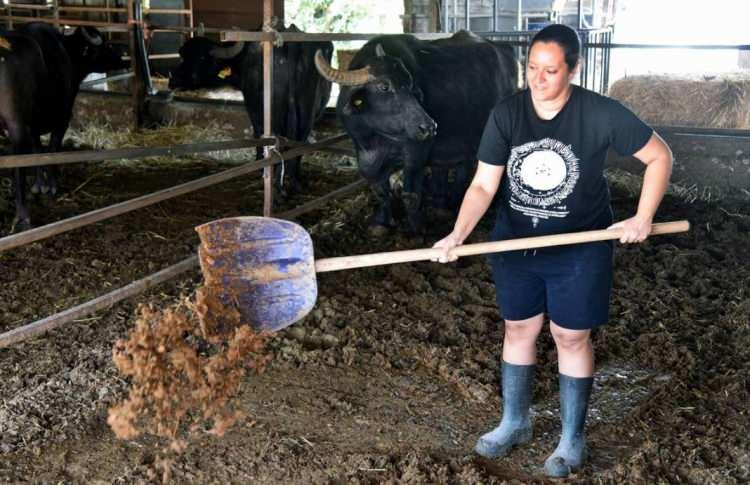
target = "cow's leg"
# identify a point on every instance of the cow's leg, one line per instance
(293, 175)
(382, 219)
(36, 187)
(55, 146)
(22, 144)
(297, 128)
(22, 220)
(412, 197)
(287, 177)
(41, 183)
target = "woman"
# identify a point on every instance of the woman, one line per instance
(544, 148)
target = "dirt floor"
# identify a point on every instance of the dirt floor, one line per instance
(394, 374)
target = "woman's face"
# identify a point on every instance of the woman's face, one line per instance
(546, 72)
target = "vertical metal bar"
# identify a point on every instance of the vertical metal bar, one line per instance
(108, 16)
(584, 63)
(445, 16)
(600, 39)
(519, 15)
(580, 14)
(494, 15)
(455, 16)
(468, 14)
(607, 52)
(267, 106)
(137, 86)
(191, 20)
(56, 12)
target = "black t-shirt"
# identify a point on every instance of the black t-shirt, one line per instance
(554, 179)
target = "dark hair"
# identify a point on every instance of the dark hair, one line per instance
(563, 36)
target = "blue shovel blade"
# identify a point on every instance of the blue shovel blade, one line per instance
(262, 265)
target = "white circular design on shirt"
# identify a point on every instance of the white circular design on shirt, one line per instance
(543, 170)
(542, 173)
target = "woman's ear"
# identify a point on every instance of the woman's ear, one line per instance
(574, 72)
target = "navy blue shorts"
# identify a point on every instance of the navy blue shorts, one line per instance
(572, 284)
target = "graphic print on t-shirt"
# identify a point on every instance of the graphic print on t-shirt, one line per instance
(542, 174)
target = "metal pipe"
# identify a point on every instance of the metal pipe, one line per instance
(607, 58)
(254, 36)
(267, 106)
(455, 16)
(519, 15)
(467, 5)
(114, 27)
(141, 52)
(445, 16)
(99, 215)
(57, 320)
(41, 159)
(118, 77)
(494, 15)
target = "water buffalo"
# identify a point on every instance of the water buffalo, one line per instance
(408, 103)
(40, 73)
(300, 94)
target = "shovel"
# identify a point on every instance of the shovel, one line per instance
(265, 266)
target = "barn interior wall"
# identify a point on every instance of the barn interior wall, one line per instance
(230, 13)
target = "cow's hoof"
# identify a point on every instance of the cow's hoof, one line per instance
(378, 230)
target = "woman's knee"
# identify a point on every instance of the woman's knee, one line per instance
(520, 331)
(570, 340)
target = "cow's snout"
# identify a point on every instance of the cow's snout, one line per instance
(426, 130)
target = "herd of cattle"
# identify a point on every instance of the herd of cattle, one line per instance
(406, 103)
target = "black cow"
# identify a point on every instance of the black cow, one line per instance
(408, 103)
(299, 93)
(40, 73)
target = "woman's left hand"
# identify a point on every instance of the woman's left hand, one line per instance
(635, 229)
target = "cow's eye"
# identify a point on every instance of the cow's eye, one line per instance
(384, 87)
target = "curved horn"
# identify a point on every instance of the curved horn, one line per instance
(228, 52)
(345, 78)
(92, 39)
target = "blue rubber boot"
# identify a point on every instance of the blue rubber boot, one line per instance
(571, 452)
(515, 427)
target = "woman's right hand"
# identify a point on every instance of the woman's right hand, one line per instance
(447, 244)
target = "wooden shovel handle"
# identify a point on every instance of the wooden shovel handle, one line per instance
(377, 259)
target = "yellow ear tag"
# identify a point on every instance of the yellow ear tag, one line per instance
(225, 73)
(358, 102)
(5, 44)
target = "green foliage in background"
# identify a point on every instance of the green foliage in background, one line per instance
(325, 15)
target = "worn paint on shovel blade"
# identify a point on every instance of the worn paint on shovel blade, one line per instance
(265, 266)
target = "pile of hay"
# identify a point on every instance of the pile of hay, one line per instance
(698, 101)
